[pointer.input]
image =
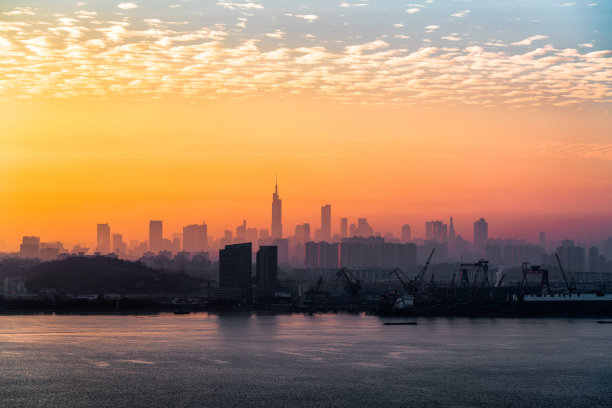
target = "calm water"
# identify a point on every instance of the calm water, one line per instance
(284, 361)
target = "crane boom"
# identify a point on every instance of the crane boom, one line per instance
(426, 265)
(567, 283)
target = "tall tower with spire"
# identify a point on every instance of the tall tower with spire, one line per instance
(277, 211)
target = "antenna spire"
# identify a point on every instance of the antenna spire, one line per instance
(276, 185)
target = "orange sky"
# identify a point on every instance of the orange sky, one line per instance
(67, 165)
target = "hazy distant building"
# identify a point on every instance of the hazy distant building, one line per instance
(103, 239)
(282, 250)
(481, 235)
(452, 236)
(542, 240)
(326, 222)
(267, 270)
(406, 233)
(436, 231)
(30, 247)
(241, 233)
(155, 236)
(119, 247)
(343, 227)
(363, 228)
(572, 257)
(277, 208)
(235, 264)
(195, 238)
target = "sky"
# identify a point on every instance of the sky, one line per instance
(400, 112)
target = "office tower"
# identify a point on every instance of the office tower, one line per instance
(283, 250)
(241, 233)
(30, 247)
(343, 227)
(542, 240)
(119, 247)
(481, 235)
(363, 228)
(451, 231)
(103, 238)
(228, 238)
(306, 229)
(326, 222)
(194, 238)
(277, 209)
(267, 270)
(352, 229)
(264, 234)
(235, 266)
(406, 233)
(155, 236)
(436, 231)
(572, 257)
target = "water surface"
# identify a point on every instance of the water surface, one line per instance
(327, 360)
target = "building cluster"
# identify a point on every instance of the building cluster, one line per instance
(354, 245)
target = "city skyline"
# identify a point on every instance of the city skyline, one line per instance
(194, 238)
(127, 112)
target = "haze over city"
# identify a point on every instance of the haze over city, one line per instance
(125, 112)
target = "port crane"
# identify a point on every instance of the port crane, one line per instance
(313, 291)
(421, 278)
(571, 285)
(407, 283)
(354, 285)
(529, 269)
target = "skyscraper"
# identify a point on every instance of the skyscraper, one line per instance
(406, 233)
(194, 238)
(343, 227)
(436, 231)
(451, 231)
(267, 270)
(481, 235)
(326, 222)
(103, 238)
(235, 266)
(155, 236)
(542, 240)
(277, 208)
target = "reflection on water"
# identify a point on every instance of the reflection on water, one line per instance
(319, 360)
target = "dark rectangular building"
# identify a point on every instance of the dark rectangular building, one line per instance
(267, 270)
(235, 266)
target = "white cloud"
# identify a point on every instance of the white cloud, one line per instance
(278, 34)
(461, 14)
(413, 10)
(529, 40)
(241, 6)
(20, 11)
(174, 5)
(308, 17)
(431, 28)
(127, 6)
(587, 45)
(451, 38)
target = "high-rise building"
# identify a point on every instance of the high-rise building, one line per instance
(277, 208)
(195, 238)
(343, 227)
(267, 270)
(103, 239)
(436, 231)
(451, 231)
(241, 233)
(542, 240)
(282, 250)
(30, 247)
(326, 222)
(119, 247)
(235, 266)
(155, 236)
(406, 233)
(481, 235)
